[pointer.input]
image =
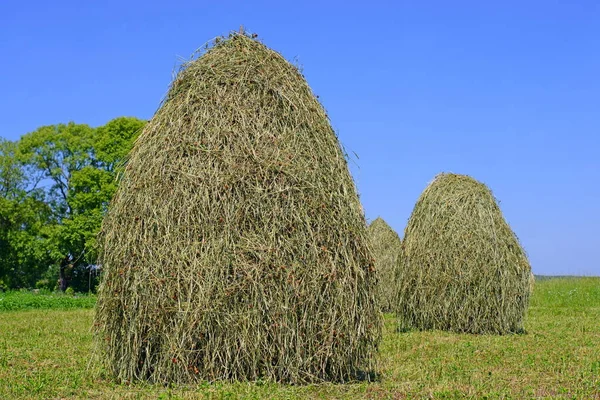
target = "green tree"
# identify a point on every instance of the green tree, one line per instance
(55, 153)
(78, 165)
(23, 216)
(114, 141)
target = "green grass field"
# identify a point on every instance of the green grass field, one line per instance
(17, 301)
(45, 353)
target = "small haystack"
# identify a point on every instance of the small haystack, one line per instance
(235, 247)
(463, 268)
(385, 245)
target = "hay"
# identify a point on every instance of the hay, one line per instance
(531, 283)
(385, 245)
(463, 268)
(235, 247)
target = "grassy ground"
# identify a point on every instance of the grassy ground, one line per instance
(45, 354)
(15, 301)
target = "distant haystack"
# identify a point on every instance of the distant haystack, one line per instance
(236, 248)
(463, 268)
(385, 244)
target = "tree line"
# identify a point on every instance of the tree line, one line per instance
(55, 186)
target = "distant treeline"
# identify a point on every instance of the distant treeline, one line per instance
(55, 186)
(546, 277)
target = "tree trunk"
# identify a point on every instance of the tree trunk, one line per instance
(63, 280)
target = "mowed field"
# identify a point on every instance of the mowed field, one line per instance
(45, 354)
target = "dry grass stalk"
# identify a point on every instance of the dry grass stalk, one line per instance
(463, 268)
(385, 245)
(236, 247)
(531, 283)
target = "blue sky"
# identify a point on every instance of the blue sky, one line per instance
(507, 92)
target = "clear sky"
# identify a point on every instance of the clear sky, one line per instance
(505, 91)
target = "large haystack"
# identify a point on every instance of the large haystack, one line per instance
(463, 268)
(385, 245)
(236, 248)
